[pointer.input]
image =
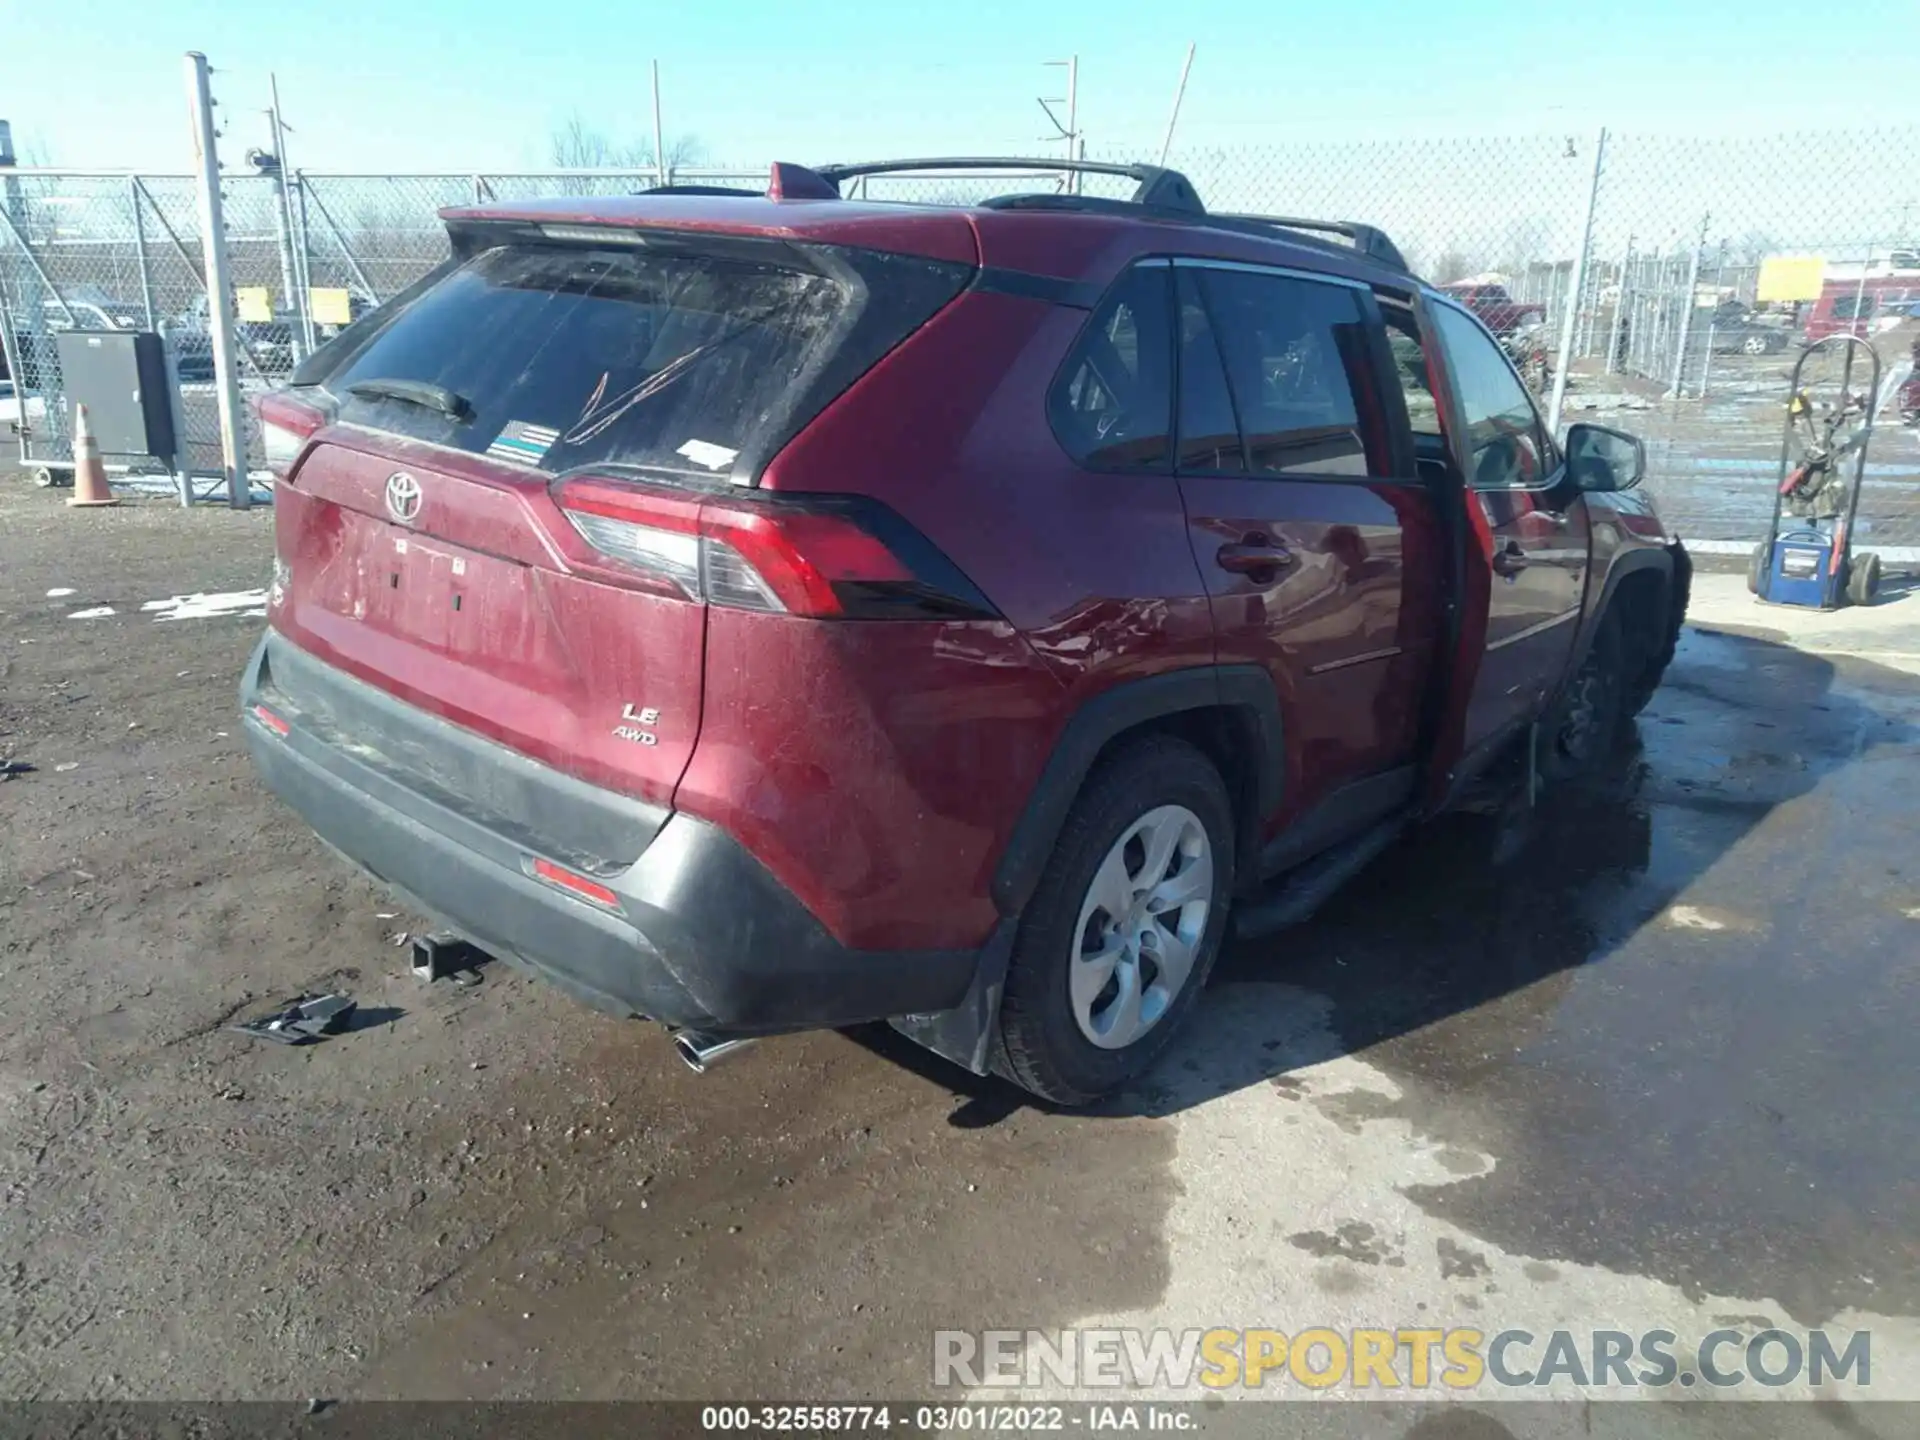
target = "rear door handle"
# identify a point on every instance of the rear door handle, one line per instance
(1509, 561)
(1252, 559)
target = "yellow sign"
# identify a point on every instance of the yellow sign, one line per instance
(1791, 277)
(329, 307)
(254, 303)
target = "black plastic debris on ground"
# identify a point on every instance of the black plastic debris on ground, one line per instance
(303, 1022)
(11, 768)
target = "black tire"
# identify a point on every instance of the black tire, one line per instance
(1863, 579)
(1041, 1047)
(1757, 566)
(1582, 727)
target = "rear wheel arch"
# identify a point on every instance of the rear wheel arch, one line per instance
(1230, 713)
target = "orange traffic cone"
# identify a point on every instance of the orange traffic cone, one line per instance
(89, 475)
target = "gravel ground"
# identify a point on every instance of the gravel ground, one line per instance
(190, 1214)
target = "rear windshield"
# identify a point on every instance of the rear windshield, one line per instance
(557, 357)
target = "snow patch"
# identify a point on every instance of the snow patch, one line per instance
(203, 606)
(99, 612)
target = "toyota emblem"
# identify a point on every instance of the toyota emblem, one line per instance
(403, 497)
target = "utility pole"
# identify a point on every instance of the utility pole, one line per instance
(1069, 132)
(1179, 94)
(293, 266)
(213, 239)
(664, 176)
(1576, 282)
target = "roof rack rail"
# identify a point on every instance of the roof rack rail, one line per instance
(1154, 186)
(1369, 240)
(700, 190)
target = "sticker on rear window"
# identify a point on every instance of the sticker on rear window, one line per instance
(520, 441)
(705, 452)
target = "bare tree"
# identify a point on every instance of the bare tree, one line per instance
(577, 145)
(1451, 266)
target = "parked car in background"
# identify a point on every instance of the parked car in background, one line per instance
(72, 310)
(821, 612)
(1733, 328)
(1495, 308)
(84, 311)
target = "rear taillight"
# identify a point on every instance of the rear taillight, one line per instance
(824, 556)
(286, 424)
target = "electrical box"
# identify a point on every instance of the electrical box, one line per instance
(121, 377)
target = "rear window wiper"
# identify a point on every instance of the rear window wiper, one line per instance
(423, 393)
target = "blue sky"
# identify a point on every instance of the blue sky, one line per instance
(470, 84)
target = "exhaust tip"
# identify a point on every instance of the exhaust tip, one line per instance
(700, 1052)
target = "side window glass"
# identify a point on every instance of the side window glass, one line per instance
(1410, 369)
(1209, 430)
(1112, 405)
(1297, 365)
(1506, 447)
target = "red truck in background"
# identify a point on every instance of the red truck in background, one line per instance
(1852, 306)
(1494, 307)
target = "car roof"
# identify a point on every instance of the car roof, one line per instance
(1066, 236)
(1066, 242)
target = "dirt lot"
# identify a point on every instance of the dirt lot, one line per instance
(191, 1214)
(1647, 1062)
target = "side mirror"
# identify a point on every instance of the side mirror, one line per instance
(1600, 459)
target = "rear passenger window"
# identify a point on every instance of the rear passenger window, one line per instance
(1410, 369)
(1113, 404)
(1298, 365)
(1209, 430)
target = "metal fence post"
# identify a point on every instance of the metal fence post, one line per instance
(339, 239)
(10, 353)
(213, 239)
(1686, 309)
(1575, 282)
(29, 329)
(289, 271)
(302, 256)
(140, 247)
(303, 236)
(1619, 309)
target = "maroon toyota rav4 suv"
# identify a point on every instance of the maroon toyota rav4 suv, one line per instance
(767, 612)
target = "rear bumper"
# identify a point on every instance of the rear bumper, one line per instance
(701, 933)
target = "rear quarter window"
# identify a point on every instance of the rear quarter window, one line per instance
(1112, 405)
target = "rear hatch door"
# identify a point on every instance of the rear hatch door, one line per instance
(423, 549)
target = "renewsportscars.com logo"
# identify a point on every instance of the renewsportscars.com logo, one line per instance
(1320, 1358)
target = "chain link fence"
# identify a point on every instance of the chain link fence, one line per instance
(1659, 301)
